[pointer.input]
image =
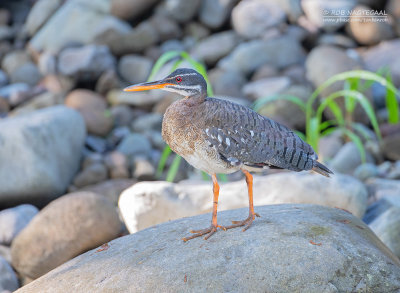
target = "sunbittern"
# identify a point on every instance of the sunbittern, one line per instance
(218, 136)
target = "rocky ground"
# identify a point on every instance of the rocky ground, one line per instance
(73, 145)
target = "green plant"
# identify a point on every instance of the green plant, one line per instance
(356, 82)
(177, 57)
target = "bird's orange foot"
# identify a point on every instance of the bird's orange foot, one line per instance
(246, 223)
(207, 231)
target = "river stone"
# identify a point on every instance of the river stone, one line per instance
(8, 278)
(67, 227)
(40, 13)
(292, 248)
(149, 203)
(39, 154)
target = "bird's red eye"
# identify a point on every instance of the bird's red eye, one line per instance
(178, 79)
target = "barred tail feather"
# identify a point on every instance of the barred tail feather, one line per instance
(321, 169)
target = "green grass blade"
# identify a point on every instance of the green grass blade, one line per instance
(357, 141)
(257, 105)
(173, 170)
(164, 58)
(328, 131)
(326, 124)
(163, 160)
(300, 134)
(392, 104)
(313, 133)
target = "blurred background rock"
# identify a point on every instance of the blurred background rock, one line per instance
(66, 126)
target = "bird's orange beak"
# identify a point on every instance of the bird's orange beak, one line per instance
(147, 86)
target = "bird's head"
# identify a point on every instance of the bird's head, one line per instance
(184, 81)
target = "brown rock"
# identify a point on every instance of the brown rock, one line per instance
(92, 174)
(67, 227)
(93, 109)
(117, 164)
(130, 9)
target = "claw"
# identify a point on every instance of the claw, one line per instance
(246, 223)
(197, 233)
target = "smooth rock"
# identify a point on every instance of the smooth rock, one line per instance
(143, 170)
(13, 220)
(27, 73)
(8, 278)
(348, 158)
(96, 143)
(134, 144)
(107, 81)
(324, 62)
(48, 143)
(379, 187)
(252, 18)
(216, 46)
(117, 164)
(111, 189)
(391, 146)
(182, 10)
(122, 115)
(66, 227)
(329, 145)
(13, 60)
(387, 228)
(91, 175)
(214, 13)
(325, 250)
(151, 121)
(87, 62)
(40, 13)
(14, 89)
(79, 20)
(366, 30)
(3, 78)
(285, 111)
(365, 171)
(227, 82)
(150, 203)
(44, 100)
(5, 252)
(134, 68)
(319, 11)
(380, 206)
(167, 28)
(266, 87)
(47, 63)
(93, 109)
(381, 55)
(139, 99)
(248, 57)
(130, 9)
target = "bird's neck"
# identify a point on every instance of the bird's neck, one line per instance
(194, 100)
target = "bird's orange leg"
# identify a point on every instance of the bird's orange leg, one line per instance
(213, 228)
(247, 222)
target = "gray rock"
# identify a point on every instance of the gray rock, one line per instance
(348, 158)
(377, 208)
(134, 144)
(68, 226)
(91, 175)
(139, 99)
(117, 164)
(143, 170)
(135, 41)
(27, 73)
(47, 63)
(182, 10)
(151, 203)
(48, 143)
(122, 115)
(3, 78)
(368, 31)
(107, 81)
(213, 48)
(248, 57)
(5, 252)
(391, 146)
(40, 13)
(151, 121)
(87, 62)
(365, 171)
(325, 250)
(8, 279)
(14, 89)
(96, 143)
(266, 87)
(134, 68)
(285, 111)
(226, 82)
(166, 27)
(379, 187)
(329, 145)
(44, 100)
(13, 220)
(196, 30)
(252, 18)
(80, 21)
(214, 13)
(130, 9)
(387, 228)
(318, 12)
(111, 189)
(6, 32)
(339, 40)
(13, 60)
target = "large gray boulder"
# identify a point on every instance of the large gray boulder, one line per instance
(150, 203)
(39, 154)
(291, 248)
